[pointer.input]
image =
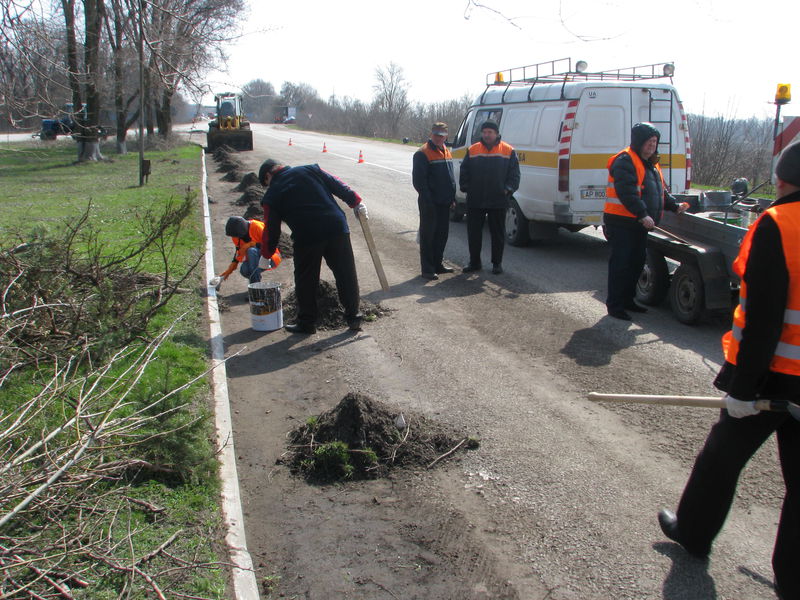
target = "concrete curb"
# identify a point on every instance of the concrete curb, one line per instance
(245, 586)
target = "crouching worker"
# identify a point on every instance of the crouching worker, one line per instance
(246, 236)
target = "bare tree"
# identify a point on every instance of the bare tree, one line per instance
(259, 100)
(391, 97)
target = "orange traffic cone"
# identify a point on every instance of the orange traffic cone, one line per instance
(324, 147)
(290, 142)
(360, 157)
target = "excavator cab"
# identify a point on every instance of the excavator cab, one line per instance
(230, 127)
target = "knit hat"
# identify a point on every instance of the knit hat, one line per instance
(641, 132)
(788, 167)
(490, 125)
(237, 227)
(266, 167)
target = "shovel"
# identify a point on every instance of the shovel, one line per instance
(376, 259)
(701, 401)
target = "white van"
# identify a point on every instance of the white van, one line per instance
(564, 124)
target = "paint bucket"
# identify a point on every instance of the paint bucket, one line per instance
(731, 218)
(266, 311)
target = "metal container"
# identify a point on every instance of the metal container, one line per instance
(716, 200)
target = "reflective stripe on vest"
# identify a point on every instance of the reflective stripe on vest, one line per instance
(786, 358)
(613, 204)
(501, 150)
(435, 155)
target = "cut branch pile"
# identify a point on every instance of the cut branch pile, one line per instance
(67, 295)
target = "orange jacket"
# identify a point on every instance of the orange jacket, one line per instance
(613, 204)
(786, 358)
(255, 232)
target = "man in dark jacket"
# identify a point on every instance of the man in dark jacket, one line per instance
(433, 178)
(636, 197)
(303, 198)
(489, 175)
(762, 361)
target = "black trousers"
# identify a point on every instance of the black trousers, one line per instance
(338, 255)
(628, 255)
(434, 227)
(710, 490)
(497, 229)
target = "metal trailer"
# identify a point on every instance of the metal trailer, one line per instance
(704, 249)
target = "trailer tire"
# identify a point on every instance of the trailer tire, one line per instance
(517, 229)
(687, 296)
(653, 284)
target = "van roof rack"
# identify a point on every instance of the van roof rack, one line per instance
(562, 70)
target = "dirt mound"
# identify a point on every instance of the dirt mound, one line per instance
(252, 195)
(233, 175)
(247, 181)
(254, 210)
(331, 313)
(362, 438)
(223, 153)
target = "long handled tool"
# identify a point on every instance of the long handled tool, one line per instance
(701, 401)
(376, 260)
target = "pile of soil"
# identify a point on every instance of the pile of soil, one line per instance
(247, 181)
(330, 311)
(252, 195)
(234, 175)
(377, 437)
(253, 210)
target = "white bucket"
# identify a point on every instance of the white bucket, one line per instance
(266, 311)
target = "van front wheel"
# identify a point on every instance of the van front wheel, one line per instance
(517, 233)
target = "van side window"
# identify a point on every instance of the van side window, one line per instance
(549, 126)
(489, 114)
(461, 137)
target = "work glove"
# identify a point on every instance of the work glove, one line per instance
(740, 408)
(216, 280)
(360, 209)
(264, 263)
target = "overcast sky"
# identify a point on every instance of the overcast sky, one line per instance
(729, 55)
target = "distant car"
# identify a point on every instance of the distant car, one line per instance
(289, 120)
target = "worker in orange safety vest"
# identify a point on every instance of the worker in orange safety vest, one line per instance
(246, 236)
(636, 197)
(762, 361)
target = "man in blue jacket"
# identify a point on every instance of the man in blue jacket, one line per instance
(303, 197)
(433, 178)
(489, 175)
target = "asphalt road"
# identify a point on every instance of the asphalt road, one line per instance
(564, 492)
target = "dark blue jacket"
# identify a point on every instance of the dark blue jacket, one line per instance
(432, 174)
(303, 197)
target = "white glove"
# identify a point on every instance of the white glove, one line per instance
(361, 209)
(215, 281)
(264, 263)
(740, 408)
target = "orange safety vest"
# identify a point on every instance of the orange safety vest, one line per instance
(786, 358)
(501, 149)
(613, 204)
(256, 233)
(435, 155)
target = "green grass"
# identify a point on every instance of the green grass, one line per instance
(44, 188)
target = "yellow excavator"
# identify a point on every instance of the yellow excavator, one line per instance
(230, 127)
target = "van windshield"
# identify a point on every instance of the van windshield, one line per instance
(490, 114)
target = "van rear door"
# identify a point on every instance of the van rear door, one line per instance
(661, 107)
(601, 128)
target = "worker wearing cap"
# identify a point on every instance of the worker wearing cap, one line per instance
(303, 197)
(636, 197)
(246, 236)
(762, 360)
(489, 175)
(433, 178)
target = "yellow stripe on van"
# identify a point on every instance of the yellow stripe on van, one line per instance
(532, 158)
(599, 161)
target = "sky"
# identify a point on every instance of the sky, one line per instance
(729, 55)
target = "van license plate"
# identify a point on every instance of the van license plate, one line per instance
(592, 194)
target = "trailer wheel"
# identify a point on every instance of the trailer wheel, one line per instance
(517, 232)
(653, 284)
(687, 296)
